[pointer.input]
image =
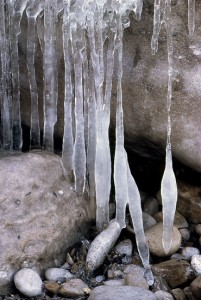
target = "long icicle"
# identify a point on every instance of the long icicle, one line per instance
(50, 74)
(15, 30)
(33, 9)
(67, 147)
(79, 152)
(120, 164)
(168, 184)
(191, 17)
(156, 26)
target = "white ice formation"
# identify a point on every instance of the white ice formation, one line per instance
(92, 44)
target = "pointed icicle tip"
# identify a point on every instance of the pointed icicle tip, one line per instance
(167, 240)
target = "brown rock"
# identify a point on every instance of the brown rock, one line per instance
(195, 287)
(74, 288)
(52, 286)
(178, 294)
(175, 272)
(133, 279)
(179, 220)
(154, 238)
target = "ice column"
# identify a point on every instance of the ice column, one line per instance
(168, 184)
(191, 17)
(67, 147)
(33, 9)
(50, 74)
(156, 27)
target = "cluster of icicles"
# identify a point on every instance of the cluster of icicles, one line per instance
(92, 44)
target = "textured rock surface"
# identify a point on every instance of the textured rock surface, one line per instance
(175, 272)
(145, 86)
(120, 292)
(154, 238)
(35, 226)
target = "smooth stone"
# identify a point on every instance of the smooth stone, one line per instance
(162, 295)
(52, 286)
(175, 272)
(188, 293)
(148, 221)
(151, 206)
(134, 269)
(28, 282)
(196, 263)
(38, 224)
(114, 282)
(120, 292)
(154, 238)
(178, 294)
(198, 229)
(136, 280)
(185, 234)
(188, 252)
(195, 287)
(124, 247)
(74, 288)
(179, 220)
(53, 274)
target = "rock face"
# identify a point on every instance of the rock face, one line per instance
(144, 85)
(40, 216)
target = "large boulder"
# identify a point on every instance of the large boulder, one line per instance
(144, 85)
(40, 215)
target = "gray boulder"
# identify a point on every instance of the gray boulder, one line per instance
(40, 215)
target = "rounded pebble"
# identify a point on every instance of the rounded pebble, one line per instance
(124, 247)
(188, 252)
(148, 221)
(28, 282)
(196, 264)
(178, 294)
(121, 292)
(161, 295)
(198, 229)
(195, 287)
(154, 238)
(151, 206)
(133, 279)
(74, 288)
(185, 233)
(54, 274)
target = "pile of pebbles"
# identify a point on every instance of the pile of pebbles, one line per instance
(177, 275)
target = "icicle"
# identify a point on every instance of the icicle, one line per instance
(120, 164)
(79, 153)
(103, 159)
(191, 17)
(136, 215)
(67, 148)
(32, 11)
(156, 28)
(16, 16)
(50, 74)
(6, 113)
(168, 184)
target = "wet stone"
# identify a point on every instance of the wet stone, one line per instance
(148, 221)
(188, 252)
(124, 247)
(52, 286)
(175, 272)
(74, 288)
(121, 292)
(178, 294)
(154, 238)
(198, 229)
(151, 206)
(195, 287)
(134, 279)
(55, 274)
(162, 295)
(179, 220)
(196, 264)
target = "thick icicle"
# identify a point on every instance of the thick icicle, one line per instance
(50, 74)
(67, 147)
(168, 184)
(6, 101)
(136, 215)
(79, 152)
(120, 164)
(15, 30)
(32, 11)
(103, 160)
(156, 27)
(191, 17)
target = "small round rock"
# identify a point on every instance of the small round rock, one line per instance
(54, 274)
(188, 252)
(28, 282)
(154, 237)
(196, 264)
(124, 247)
(162, 295)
